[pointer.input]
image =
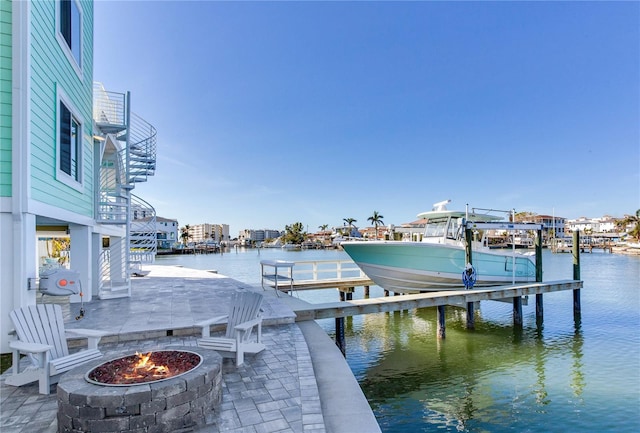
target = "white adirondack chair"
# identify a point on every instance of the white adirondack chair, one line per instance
(42, 336)
(244, 315)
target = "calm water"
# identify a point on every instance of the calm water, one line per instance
(564, 377)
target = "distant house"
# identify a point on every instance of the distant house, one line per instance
(411, 231)
(605, 224)
(167, 231)
(552, 226)
(71, 152)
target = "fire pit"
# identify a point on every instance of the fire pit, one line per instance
(144, 368)
(161, 391)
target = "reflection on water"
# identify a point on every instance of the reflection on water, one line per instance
(561, 376)
(554, 377)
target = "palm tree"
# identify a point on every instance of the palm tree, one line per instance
(185, 235)
(349, 222)
(376, 220)
(294, 233)
(631, 220)
(323, 227)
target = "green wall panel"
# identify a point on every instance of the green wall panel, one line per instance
(5, 97)
(52, 72)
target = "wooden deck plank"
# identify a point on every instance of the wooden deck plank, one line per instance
(330, 283)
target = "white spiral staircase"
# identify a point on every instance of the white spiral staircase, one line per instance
(127, 156)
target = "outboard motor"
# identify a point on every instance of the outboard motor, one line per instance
(60, 282)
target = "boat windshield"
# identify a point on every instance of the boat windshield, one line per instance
(436, 228)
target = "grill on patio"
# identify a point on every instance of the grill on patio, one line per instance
(151, 401)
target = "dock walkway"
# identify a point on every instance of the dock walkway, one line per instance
(427, 299)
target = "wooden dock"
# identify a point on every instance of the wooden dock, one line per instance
(342, 275)
(465, 298)
(428, 299)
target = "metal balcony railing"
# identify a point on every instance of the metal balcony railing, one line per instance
(109, 109)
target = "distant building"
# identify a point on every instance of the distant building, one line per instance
(166, 230)
(410, 231)
(253, 237)
(207, 232)
(605, 224)
(552, 226)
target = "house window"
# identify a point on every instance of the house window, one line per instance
(69, 153)
(70, 28)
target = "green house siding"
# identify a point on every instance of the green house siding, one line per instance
(5, 98)
(53, 75)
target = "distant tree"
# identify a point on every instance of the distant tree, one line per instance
(323, 227)
(523, 216)
(185, 235)
(349, 222)
(634, 220)
(376, 220)
(294, 234)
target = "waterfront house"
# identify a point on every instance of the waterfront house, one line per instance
(71, 153)
(167, 233)
(606, 224)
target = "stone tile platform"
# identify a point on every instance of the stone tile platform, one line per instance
(280, 389)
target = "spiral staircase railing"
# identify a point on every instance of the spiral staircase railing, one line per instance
(143, 235)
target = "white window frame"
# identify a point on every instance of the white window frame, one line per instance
(75, 63)
(62, 176)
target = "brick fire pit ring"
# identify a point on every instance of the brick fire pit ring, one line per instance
(162, 406)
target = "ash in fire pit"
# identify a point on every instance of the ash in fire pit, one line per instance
(144, 368)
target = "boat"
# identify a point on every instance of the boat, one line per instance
(437, 261)
(521, 242)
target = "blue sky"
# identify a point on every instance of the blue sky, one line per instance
(271, 113)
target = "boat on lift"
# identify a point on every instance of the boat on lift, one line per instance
(437, 261)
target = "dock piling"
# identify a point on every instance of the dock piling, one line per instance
(471, 322)
(577, 310)
(340, 340)
(539, 301)
(441, 322)
(517, 311)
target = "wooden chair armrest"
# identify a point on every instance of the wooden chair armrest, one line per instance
(81, 332)
(206, 324)
(29, 347)
(211, 321)
(93, 336)
(244, 326)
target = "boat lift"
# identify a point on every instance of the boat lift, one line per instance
(469, 227)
